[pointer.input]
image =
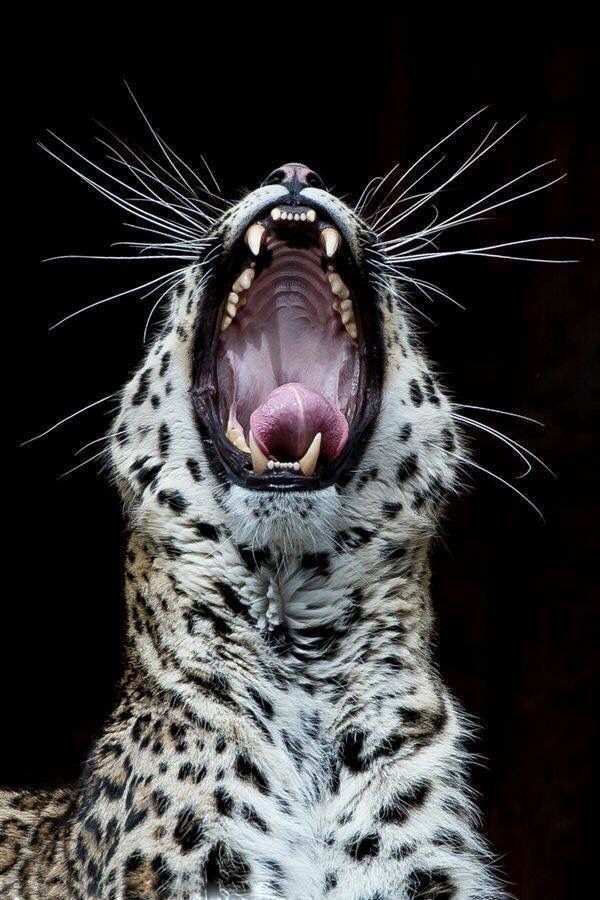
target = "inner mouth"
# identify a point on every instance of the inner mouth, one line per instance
(287, 390)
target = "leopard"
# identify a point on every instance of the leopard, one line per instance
(285, 453)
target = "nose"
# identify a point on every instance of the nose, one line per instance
(295, 177)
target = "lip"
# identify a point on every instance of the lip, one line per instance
(229, 464)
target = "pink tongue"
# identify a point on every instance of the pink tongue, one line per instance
(286, 423)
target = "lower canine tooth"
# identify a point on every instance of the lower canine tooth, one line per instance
(308, 463)
(331, 240)
(255, 236)
(259, 460)
(241, 444)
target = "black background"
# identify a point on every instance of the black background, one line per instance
(349, 91)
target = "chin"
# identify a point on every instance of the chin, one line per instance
(290, 522)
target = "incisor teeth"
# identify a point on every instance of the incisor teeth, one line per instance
(259, 460)
(331, 240)
(308, 463)
(255, 236)
(243, 281)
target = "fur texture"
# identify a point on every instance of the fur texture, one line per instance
(282, 730)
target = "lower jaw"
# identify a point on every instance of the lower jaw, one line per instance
(229, 471)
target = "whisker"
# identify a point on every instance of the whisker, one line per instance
(469, 462)
(68, 418)
(145, 215)
(166, 150)
(500, 412)
(99, 440)
(519, 449)
(104, 300)
(84, 463)
(480, 151)
(433, 149)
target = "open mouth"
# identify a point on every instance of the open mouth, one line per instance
(287, 373)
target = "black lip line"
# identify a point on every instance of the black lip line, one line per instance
(221, 455)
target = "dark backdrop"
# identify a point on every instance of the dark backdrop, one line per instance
(349, 92)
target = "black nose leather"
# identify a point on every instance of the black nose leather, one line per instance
(295, 177)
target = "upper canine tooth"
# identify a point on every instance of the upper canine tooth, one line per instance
(308, 463)
(255, 236)
(275, 214)
(331, 240)
(243, 281)
(259, 460)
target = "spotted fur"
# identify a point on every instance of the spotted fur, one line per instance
(282, 730)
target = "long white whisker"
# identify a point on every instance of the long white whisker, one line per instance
(132, 290)
(369, 190)
(469, 462)
(510, 442)
(84, 463)
(403, 196)
(500, 412)
(475, 156)
(482, 251)
(113, 178)
(135, 258)
(454, 222)
(166, 150)
(141, 175)
(177, 230)
(211, 173)
(433, 149)
(99, 440)
(68, 418)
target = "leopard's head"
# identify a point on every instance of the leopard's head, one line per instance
(286, 396)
